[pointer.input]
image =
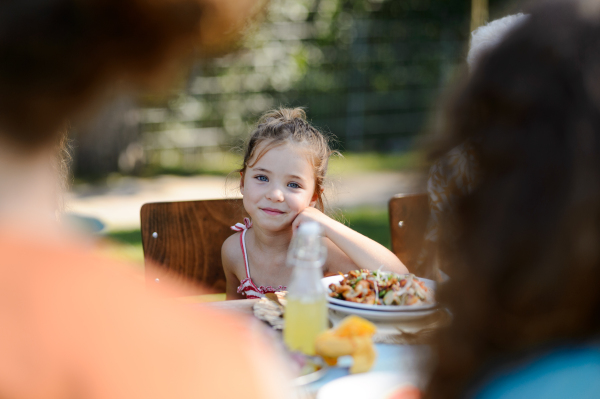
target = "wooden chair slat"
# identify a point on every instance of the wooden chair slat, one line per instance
(408, 215)
(183, 239)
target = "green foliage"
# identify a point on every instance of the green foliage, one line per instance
(125, 246)
(131, 237)
(368, 71)
(351, 162)
(371, 222)
(221, 164)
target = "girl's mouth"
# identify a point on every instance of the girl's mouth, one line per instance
(271, 211)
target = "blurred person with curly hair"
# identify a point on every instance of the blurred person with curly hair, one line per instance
(525, 250)
(456, 173)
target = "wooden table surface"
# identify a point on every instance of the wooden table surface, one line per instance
(238, 305)
(403, 356)
(404, 332)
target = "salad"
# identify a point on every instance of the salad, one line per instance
(382, 288)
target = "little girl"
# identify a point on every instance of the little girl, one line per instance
(282, 184)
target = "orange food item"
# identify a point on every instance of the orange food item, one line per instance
(353, 336)
(354, 326)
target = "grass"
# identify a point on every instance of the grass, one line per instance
(125, 245)
(128, 237)
(376, 162)
(370, 221)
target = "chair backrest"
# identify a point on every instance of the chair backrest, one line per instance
(184, 239)
(409, 214)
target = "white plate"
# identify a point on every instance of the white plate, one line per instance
(315, 375)
(327, 281)
(376, 315)
(373, 385)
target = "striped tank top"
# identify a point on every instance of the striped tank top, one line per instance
(247, 286)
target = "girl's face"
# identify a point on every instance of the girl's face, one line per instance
(278, 187)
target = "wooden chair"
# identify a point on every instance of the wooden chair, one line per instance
(409, 214)
(183, 239)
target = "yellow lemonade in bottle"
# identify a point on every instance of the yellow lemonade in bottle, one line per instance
(306, 309)
(304, 320)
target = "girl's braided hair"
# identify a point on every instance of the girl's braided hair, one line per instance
(289, 125)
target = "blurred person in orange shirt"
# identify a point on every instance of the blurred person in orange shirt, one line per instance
(74, 324)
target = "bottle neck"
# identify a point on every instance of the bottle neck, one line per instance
(307, 255)
(306, 282)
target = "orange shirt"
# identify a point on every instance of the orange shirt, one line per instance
(73, 324)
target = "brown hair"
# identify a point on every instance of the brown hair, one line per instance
(62, 166)
(58, 56)
(526, 259)
(289, 125)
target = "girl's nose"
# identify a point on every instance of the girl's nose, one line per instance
(275, 195)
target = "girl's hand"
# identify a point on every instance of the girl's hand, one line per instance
(348, 249)
(311, 214)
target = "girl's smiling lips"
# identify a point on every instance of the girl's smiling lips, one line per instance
(271, 211)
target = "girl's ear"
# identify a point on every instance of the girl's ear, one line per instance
(315, 197)
(242, 183)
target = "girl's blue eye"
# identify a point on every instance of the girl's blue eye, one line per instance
(262, 178)
(294, 185)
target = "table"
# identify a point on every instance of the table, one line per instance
(404, 358)
(239, 305)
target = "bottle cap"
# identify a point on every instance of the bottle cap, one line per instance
(309, 228)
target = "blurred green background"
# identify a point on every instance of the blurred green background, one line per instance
(367, 71)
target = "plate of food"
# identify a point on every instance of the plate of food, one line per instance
(375, 290)
(380, 317)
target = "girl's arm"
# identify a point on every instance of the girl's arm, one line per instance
(229, 263)
(355, 250)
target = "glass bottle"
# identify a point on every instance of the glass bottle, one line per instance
(306, 308)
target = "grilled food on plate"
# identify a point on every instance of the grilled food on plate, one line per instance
(374, 287)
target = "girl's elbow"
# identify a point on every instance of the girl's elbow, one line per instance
(398, 267)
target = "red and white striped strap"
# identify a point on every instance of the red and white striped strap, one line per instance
(242, 226)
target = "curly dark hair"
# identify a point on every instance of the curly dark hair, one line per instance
(526, 256)
(57, 56)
